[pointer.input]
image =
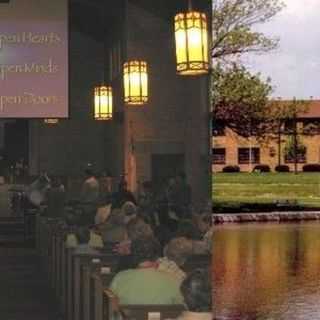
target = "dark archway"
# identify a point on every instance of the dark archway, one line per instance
(16, 141)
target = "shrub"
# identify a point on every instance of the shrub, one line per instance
(311, 167)
(282, 168)
(261, 168)
(230, 169)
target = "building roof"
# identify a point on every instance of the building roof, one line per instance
(313, 110)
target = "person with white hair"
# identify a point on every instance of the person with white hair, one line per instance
(175, 254)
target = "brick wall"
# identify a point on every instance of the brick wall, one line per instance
(231, 142)
(175, 120)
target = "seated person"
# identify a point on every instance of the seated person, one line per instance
(103, 212)
(175, 253)
(145, 284)
(113, 230)
(146, 203)
(206, 228)
(136, 228)
(90, 188)
(122, 196)
(36, 192)
(197, 294)
(89, 198)
(187, 229)
(83, 239)
(56, 197)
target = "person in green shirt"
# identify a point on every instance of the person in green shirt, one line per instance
(146, 284)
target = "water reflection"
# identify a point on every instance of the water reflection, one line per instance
(267, 271)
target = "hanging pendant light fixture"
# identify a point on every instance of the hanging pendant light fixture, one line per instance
(51, 121)
(103, 102)
(135, 79)
(191, 39)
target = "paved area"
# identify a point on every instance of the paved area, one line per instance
(24, 294)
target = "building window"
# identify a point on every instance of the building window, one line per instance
(311, 127)
(247, 154)
(218, 128)
(301, 157)
(218, 155)
(289, 126)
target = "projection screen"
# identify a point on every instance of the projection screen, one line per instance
(34, 59)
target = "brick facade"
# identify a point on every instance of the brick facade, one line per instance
(269, 151)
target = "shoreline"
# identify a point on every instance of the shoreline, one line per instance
(292, 216)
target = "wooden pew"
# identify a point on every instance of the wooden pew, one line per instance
(109, 263)
(67, 269)
(87, 287)
(45, 234)
(75, 258)
(56, 231)
(60, 248)
(100, 281)
(138, 312)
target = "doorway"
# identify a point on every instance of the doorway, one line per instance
(16, 141)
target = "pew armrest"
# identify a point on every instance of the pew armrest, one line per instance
(111, 299)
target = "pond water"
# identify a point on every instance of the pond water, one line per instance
(267, 271)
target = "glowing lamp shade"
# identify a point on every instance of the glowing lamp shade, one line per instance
(51, 121)
(103, 103)
(135, 79)
(191, 35)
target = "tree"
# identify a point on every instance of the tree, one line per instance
(232, 22)
(294, 148)
(241, 100)
(289, 111)
(238, 96)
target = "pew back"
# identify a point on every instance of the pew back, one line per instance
(94, 266)
(137, 312)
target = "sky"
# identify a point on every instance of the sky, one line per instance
(294, 67)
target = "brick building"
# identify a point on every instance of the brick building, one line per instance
(228, 148)
(169, 134)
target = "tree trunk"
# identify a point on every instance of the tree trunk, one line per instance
(279, 144)
(295, 143)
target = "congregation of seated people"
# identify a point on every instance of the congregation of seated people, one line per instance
(158, 236)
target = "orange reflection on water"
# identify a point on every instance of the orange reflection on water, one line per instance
(267, 271)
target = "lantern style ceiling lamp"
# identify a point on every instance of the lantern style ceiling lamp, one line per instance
(191, 39)
(51, 121)
(135, 77)
(103, 102)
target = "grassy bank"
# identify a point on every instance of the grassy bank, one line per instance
(236, 189)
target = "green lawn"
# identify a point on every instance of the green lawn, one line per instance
(235, 188)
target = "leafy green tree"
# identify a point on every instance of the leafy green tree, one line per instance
(232, 26)
(288, 112)
(294, 148)
(241, 100)
(238, 96)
